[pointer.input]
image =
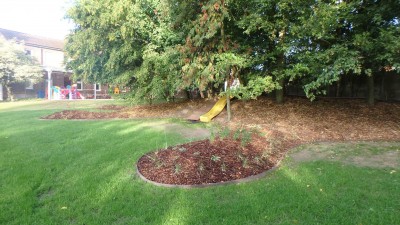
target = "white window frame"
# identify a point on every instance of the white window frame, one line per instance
(99, 85)
(79, 82)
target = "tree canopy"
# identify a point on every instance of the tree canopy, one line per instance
(158, 47)
(16, 66)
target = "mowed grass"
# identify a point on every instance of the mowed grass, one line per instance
(83, 172)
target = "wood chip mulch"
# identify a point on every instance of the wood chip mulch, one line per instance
(204, 162)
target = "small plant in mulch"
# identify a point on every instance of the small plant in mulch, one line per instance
(177, 168)
(229, 155)
(155, 160)
(215, 158)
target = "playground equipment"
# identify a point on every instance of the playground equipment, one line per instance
(56, 92)
(66, 93)
(214, 111)
(220, 105)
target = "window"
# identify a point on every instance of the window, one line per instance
(79, 85)
(98, 87)
(28, 52)
(29, 84)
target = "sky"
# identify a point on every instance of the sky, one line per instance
(38, 17)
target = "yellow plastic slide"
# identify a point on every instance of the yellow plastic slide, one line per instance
(215, 110)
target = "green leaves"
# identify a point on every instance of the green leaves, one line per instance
(255, 87)
(124, 42)
(15, 65)
(158, 47)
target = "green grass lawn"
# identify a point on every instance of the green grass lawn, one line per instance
(82, 172)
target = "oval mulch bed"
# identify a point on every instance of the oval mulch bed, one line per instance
(84, 115)
(205, 162)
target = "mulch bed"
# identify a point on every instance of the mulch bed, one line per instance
(165, 110)
(205, 162)
(298, 121)
(83, 115)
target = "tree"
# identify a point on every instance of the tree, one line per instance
(215, 48)
(105, 45)
(16, 66)
(375, 32)
(129, 43)
(340, 38)
(158, 47)
(273, 29)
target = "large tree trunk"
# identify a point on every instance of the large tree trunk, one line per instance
(338, 88)
(371, 90)
(280, 93)
(10, 96)
(228, 72)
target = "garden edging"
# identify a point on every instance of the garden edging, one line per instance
(238, 181)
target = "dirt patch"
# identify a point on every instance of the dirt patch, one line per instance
(184, 131)
(387, 159)
(324, 120)
(364, 154)
(189, 133)
(309, 155)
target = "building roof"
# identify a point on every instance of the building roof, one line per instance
(33, 40)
